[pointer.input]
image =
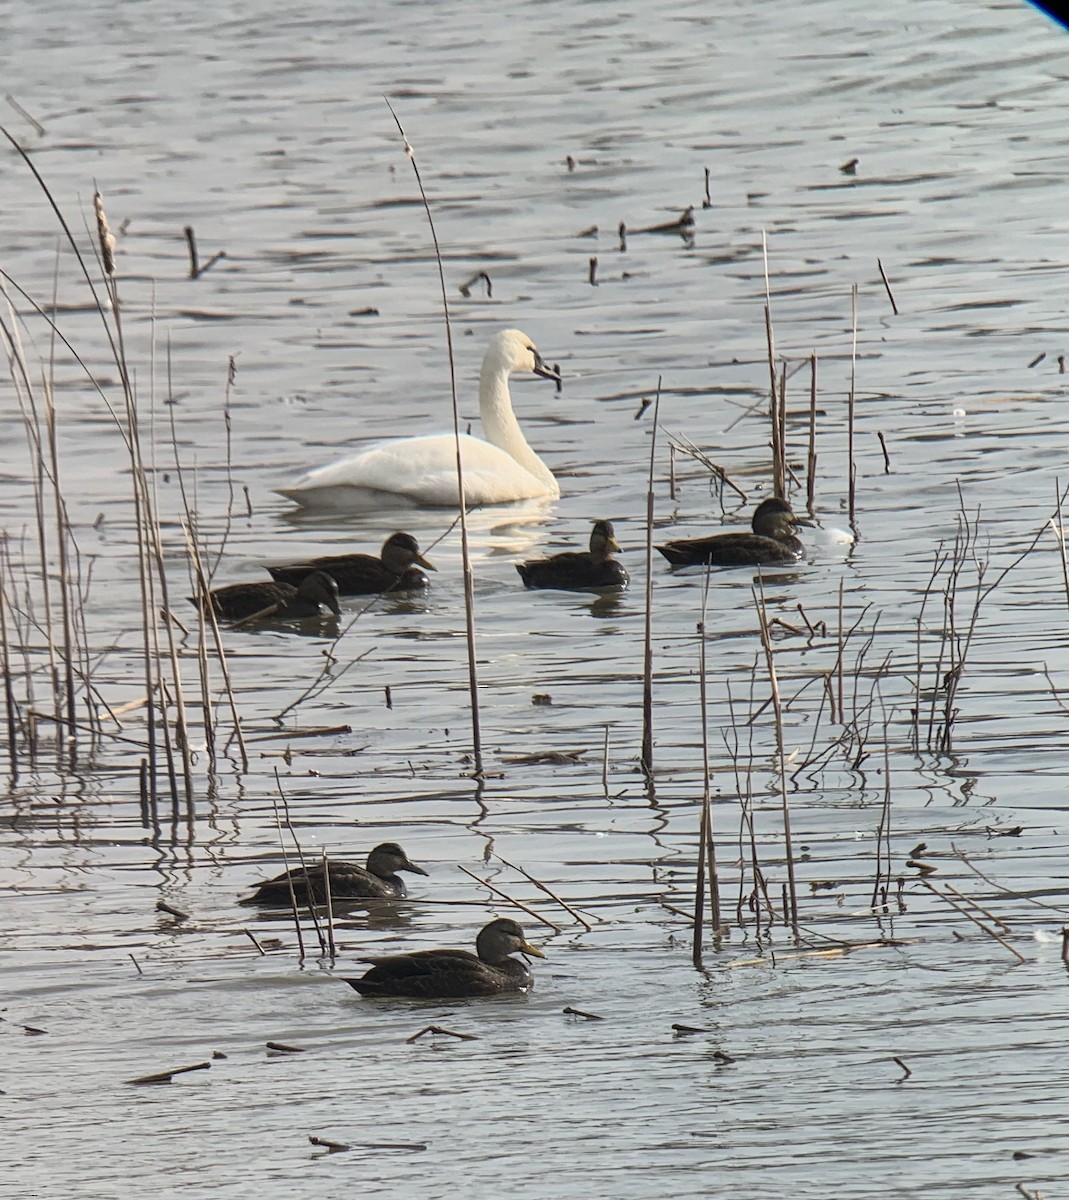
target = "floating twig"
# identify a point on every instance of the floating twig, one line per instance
(438, 1029)
(177, 913)
(468, 284)
(328, 1145)
(682, 224)
(283, 1048)
(39, 129)
(578, 1012)
(908, 1072)
(592, 277)
(167, 1076)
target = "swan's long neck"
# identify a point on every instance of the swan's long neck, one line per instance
(501, 426)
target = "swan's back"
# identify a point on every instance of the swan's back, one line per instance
(421, 471)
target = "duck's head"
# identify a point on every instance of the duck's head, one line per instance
(400, 551)
(388, 858)
(501, 938)
(775, 518)
(603, 539)
(512, 350)
(320, 588)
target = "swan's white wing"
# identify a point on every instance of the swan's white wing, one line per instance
(417, 471)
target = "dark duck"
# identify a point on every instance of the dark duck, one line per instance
(274, 601)
(395, 570)
(579, 570)
(378, 880)
(772, 541)
(453, 974)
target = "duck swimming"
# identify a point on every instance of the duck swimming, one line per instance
(274, 601)
(451, 974)
(378, 880)
(772, 541)
(421, 471)
(579, 569)
(362, 574)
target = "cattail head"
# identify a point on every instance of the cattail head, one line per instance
(104, 235)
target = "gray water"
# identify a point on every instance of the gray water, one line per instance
(265, 128)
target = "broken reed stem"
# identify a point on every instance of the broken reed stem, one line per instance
(1059, 534)
(286, 863)
(330, 906)
(780, 464)
(465, 552)
(773, 400)
(549, 892)
(961, 908)
(24, 388)
(706, 846)
(10, 707)
(883, 829)
(505, 896)
(811, 458)
(840, 658)
(65, 581)
(647, 651)
(605, 763)
(852, 466)
(887, 287)
(766, 643)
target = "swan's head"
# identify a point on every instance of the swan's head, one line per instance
(511, 351)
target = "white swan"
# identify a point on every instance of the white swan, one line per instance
(421, 471)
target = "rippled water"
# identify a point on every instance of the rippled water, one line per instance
(264, 128)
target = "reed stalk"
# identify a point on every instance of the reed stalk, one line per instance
(465, 550)
(811, 458)
(766, 644)
(646, 759)
(850, 405)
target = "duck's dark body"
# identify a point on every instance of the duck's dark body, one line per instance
(453, 974)
(579, 570)
(378, 880)
(772, 542)
(365, 574)
(275, 601)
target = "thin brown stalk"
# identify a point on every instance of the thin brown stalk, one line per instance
(465, 551)
(647, 652)
(850, 404)
(707, 869)
(330, 906)
(572, 912)
(811, 459)
(766, 643)
(505, 896)
(887, 287)
(961, 908)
